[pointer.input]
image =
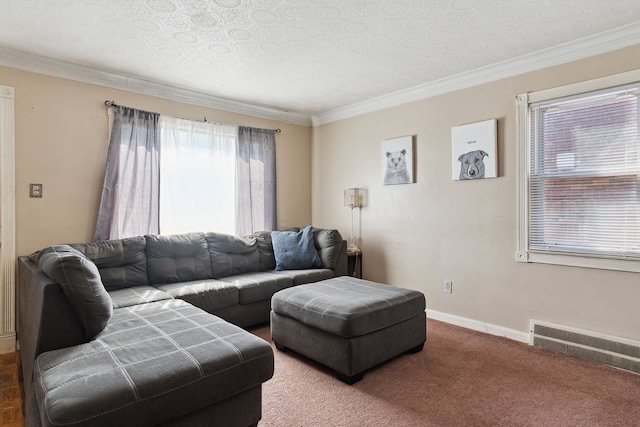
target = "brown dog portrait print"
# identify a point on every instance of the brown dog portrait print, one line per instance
(474, 151)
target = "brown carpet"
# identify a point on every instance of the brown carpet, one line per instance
(461, 378)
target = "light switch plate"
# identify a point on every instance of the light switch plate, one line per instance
(35, 190)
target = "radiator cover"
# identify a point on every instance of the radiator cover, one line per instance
(610, 350)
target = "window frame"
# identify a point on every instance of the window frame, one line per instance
(523, 124)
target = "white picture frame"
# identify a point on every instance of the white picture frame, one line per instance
(397, 160)
(474, 151)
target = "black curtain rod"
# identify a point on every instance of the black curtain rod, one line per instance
(109, 103)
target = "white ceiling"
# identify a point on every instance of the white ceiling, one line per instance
(301, 57)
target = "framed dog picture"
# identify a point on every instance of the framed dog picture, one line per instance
(397, 161)
(474, 151)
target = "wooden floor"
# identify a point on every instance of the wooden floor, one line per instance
(10, 391)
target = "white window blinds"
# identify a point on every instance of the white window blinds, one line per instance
(584, 192)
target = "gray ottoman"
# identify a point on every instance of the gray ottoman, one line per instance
(348, 324)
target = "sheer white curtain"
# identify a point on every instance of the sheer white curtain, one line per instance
(197, 176)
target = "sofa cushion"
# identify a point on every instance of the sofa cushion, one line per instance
(126, 297)
(122, 263)
(232, 255)
(258, 286)
(295, 250)
(152, 363)
(265, 249)
(300, 277)
(328, 243)
(80, 280)
(210, 295)
(177, 258)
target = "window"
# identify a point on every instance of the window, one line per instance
(197, 176)
(168, 175)
(579, 174)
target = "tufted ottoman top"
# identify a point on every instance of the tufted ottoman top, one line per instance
(347, 306)
(153, 362)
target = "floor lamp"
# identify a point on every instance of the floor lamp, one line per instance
(352, 200)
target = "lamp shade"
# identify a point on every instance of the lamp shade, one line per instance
(352, 197)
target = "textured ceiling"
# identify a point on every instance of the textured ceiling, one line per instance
(299, 55)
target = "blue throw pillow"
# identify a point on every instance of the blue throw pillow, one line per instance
(295, 250)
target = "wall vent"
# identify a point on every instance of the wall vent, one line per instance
(610, 350)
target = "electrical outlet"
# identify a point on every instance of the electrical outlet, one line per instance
(448, 285)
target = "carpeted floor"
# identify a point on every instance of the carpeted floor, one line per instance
(461, 378)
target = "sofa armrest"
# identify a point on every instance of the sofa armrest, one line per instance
(46, 320)
(342, 262)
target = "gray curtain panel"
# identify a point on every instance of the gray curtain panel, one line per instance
(129, 204)
(256, 183)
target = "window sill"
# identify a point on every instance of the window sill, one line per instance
(580, 261)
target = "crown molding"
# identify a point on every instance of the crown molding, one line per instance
(596, 44)
(66, 70)
(571, 51)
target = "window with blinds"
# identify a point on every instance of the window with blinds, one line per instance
(583, 177)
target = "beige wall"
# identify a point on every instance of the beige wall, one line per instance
(414, 235)
(436, 229)
(61, 142)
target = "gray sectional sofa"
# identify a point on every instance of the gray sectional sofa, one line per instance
(148, 330)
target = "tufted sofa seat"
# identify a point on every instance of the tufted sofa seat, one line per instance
(147, 330)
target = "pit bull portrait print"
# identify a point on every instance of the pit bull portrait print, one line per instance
(474, 151)
(472, 164)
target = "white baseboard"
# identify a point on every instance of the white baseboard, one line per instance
(477, 325)
(7, 342)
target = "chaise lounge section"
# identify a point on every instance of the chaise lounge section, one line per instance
(148, 330)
